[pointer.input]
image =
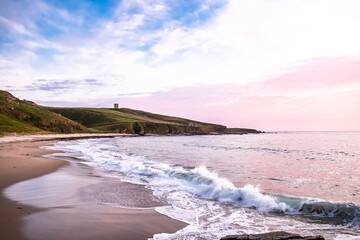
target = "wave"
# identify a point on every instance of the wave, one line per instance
(338, 213)
(209, 185)
(204, 183)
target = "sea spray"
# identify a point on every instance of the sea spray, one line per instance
(209, 185)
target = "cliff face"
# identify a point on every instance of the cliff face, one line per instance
(241, 131)
(175, 129)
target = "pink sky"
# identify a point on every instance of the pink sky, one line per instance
(323, 95)
(264, 64)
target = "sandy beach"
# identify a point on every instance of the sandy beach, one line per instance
(59, 205)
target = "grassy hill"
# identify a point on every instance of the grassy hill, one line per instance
(21, 116)
(126, 120)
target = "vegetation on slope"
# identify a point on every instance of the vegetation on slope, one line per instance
(126, 120)
(21, 116)
(8, 124)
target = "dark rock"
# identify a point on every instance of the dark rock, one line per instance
(272, 236)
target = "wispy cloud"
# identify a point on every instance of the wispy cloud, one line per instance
(55, 85)
(14, 26)
(152, 47)
(117, 48)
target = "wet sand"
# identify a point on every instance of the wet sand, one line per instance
(64, 204)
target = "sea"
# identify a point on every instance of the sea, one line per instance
(300, 182)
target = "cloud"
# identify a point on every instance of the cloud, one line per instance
(116, 53)
(153, 47)
(14, 26)
(54, 85)
(321, 95)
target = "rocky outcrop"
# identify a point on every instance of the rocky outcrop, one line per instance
(272, 236)
(241, 131)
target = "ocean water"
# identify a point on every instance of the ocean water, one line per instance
(302, 182)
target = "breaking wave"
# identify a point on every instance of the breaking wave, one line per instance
(202, 182)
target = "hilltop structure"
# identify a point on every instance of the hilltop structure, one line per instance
(116, 105)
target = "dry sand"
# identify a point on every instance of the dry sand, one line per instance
(58, 209)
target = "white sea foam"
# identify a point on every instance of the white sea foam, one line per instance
(212, 206)
(202, 182)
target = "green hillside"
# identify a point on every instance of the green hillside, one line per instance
(25, 117)
(21, 116)
(126, 120)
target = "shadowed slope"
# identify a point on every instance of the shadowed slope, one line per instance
(21, 116)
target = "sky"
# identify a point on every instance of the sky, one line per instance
(273, 65)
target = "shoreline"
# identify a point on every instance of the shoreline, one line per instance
(15, 159)
(21, 159)
(59, 137)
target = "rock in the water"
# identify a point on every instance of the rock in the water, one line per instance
(272, 236)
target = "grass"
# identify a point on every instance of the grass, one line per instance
(21, 116)
(127, 120)
(24, 116)
(8, 124)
